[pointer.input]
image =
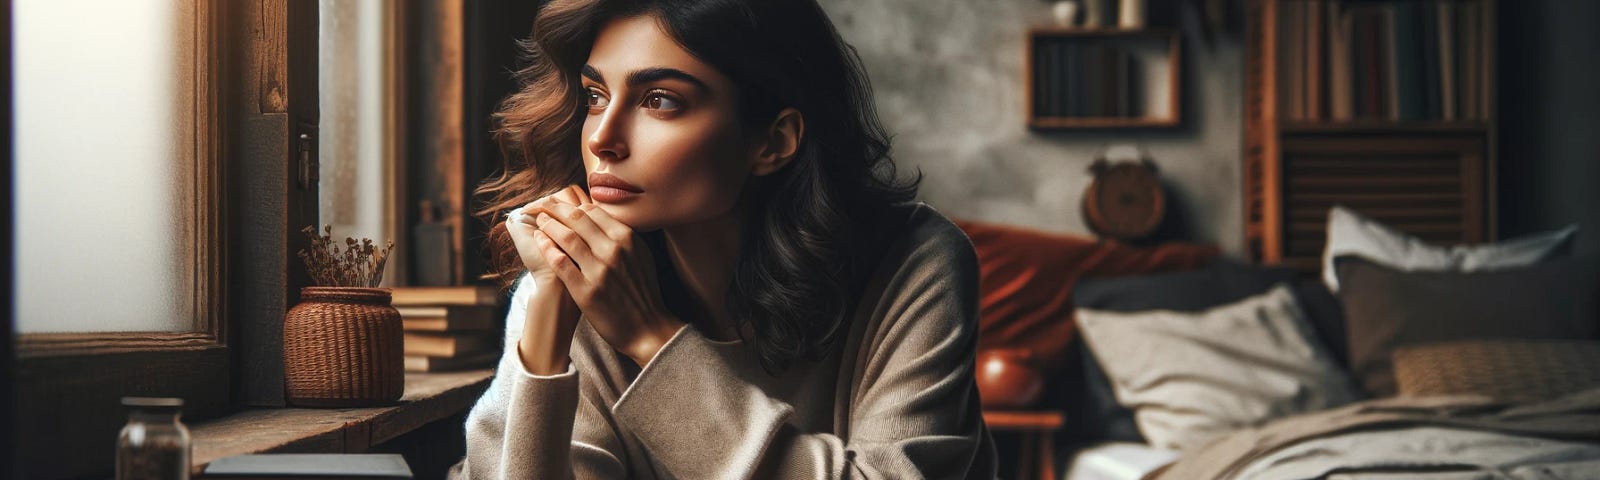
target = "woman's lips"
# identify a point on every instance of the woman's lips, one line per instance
(608, 188)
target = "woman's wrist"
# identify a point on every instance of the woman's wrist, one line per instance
(548, 328)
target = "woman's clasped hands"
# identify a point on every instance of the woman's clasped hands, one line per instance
(568, 241)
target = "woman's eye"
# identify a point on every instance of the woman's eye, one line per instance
(593, 99)
(658, 101)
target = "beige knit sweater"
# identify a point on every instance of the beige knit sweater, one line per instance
(896, 401)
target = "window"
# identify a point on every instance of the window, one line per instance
(157, 143)
(359, 74)
(108, 170)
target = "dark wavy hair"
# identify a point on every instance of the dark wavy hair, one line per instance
(808, 229)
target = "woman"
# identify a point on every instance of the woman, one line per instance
(742, 291)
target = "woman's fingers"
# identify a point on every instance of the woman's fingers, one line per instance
(568, 239)
(579, 220)
(583, 195)
(572, 195)
(613, 229)
(560, 263)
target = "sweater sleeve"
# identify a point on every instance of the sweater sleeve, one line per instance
(532, 426)
(914, 410)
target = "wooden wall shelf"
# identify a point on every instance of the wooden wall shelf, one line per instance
(1102, 78)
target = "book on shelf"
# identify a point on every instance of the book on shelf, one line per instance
(1127, 75)
(1390, 76)
(446, 318)
(1050, 77)
(1407, 77)
(309, 466)
(1314, 62)
(424, 363)
(447, 344)
(1392, 60)
(1341, 96)
(486, 295)
(1428, 44)
(1470, 18)
(1071, 98)
(1447, 61)
(1091, 95)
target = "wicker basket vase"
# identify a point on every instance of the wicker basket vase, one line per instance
(342, 347)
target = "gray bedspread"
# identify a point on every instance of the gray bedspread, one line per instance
(1430, 438)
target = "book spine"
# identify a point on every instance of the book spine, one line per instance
(1389, 64)
(1428, 39)
(1407, 60)
(1340, 100)
(1072, 87)
(1037, 108)
(1473, 54)
(1315, 38)
(1449, 105)
(1369, 91)
(1124, 82)
(1297, 70)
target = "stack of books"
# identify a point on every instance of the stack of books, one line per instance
(449, 328)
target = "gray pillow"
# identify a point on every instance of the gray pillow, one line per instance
(1388, 308)
(1191, 377)
(1350, 234)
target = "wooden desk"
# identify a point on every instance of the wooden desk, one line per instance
(1037, 429)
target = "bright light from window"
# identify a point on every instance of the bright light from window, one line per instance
(105, 134)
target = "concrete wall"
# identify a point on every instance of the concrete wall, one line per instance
(948, 76)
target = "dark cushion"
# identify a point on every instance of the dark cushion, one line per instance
(1088, 397)
(1387, 308)
(1026, 278)
(1327, 316)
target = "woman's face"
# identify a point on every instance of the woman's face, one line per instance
(663, 124)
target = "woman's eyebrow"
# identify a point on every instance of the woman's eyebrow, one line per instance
(643, 76)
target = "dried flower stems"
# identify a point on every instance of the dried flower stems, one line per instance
(358, 265)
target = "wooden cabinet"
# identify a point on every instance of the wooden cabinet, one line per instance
(1386, 107)
(1102, 78)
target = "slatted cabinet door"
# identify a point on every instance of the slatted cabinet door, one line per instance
(1432, 188)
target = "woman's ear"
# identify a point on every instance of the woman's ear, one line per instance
(779, 143)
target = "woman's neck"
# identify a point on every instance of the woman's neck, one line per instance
(703, 255)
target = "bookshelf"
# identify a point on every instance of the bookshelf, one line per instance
(1098, 78)
(1384, 106)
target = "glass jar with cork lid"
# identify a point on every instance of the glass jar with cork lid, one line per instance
(154, 444)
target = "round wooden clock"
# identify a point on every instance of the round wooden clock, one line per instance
(1125, 200)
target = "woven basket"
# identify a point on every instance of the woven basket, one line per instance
(342, 348)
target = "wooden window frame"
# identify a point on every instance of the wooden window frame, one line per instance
(205, 183)
(68, 380)
(256, 97)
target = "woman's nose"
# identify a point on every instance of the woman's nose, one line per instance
(607, 141)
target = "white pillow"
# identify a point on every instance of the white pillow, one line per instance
(1349, 233)
(1190, 377)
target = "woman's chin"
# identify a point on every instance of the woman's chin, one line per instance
(627, 215)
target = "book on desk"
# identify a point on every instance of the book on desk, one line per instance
(309, 466)
(450, 328)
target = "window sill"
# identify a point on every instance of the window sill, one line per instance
(428, 397)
